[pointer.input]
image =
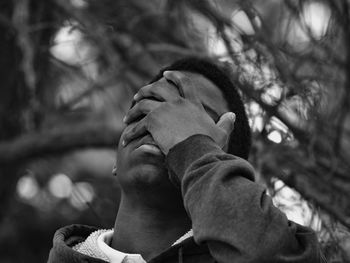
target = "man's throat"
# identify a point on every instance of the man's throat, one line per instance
(145, 231)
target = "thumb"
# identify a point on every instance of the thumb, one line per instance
(227, 122)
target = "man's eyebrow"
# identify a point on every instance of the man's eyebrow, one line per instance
(211, 112)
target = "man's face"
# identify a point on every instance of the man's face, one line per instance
(141, 163)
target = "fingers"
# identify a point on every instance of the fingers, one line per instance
(227, 122)
(140, 109)
(185, 85)
(136, 131)
(161, 90)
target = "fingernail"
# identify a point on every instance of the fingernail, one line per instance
(136, 96)
(123, 143)
(233, 116)
(124, 119)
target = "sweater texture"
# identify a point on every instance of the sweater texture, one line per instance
(97, 245)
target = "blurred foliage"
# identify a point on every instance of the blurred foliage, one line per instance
(69, 69)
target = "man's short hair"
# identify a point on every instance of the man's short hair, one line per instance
(240, 139)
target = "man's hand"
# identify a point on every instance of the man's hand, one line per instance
(171, 87)
(170, 118)
(173, 122)
(151, 97)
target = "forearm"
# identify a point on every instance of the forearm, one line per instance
(232, 213)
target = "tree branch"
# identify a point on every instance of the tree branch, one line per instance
(59, 140)
(334, 203)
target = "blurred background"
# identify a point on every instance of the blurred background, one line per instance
(69, 68)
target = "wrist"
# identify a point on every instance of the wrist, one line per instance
(182, 155)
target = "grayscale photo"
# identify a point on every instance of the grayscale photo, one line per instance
(189, 131)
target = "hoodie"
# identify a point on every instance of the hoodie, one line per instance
(233, 220)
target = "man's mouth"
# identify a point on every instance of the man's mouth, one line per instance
(150, 148)
(146, 143)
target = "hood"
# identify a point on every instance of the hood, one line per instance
(64, 239)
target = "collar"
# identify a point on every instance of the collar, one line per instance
(97, 245)
(115, 256)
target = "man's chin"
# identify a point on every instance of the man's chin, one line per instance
(148, 175)
(142, 163)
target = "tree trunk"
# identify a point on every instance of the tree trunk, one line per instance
(13, 99)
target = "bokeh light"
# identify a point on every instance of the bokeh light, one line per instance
(316, 16)
(27, 187)
(275, 136)
(82, 194)
(60, 186)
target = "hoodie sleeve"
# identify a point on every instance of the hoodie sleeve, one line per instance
(230, 212)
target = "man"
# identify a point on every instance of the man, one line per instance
(184, 199)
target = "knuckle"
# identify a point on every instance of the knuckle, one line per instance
(179, 101)
(132, 130)
(154, 90)
(143, 105)
(135, 127)
(146, 89)
(148, 121)
(150, 117)
(141, 91)
(147, 105)
(183, 77)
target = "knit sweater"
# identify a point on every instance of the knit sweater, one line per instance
(233, 220)
(97, 245)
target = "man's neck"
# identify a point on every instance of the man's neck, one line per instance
(146, 231)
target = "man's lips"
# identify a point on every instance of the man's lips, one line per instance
(146, 144)
(147, 139)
